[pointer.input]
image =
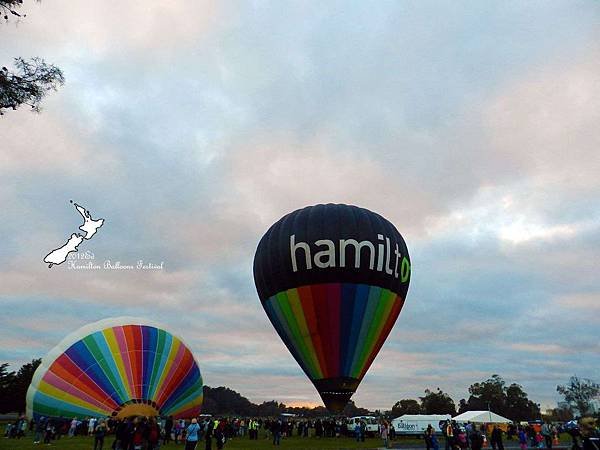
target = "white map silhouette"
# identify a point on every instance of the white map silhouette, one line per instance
(89, 227)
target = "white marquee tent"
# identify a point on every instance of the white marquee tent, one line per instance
(480, 417)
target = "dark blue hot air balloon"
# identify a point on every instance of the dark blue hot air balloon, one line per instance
(333, 279)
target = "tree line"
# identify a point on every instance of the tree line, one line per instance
(492, 394)
(510, 401)
(14, 385)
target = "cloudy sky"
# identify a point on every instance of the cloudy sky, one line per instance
(192, 126)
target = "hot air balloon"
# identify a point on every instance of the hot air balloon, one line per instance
(332, 280)
(117, 367)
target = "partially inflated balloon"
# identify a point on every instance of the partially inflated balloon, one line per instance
(333, 279)
(117, 367)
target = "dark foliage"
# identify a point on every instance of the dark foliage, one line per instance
(32, 79)
(562, 413)
(437, 403)
(579, 394)
(13, 386)
(225, 401)
(10, 7)
(463, 406)
(6, 382)
(351, 410)
(508, 401)
(28, 84)
(406, 406)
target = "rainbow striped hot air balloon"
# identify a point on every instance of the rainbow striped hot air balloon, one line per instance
(117, 367)
(333, 279)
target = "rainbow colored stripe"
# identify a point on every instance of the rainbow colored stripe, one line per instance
(101, 372)
(334, 329)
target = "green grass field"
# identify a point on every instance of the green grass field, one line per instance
(85, 443)
(342, 443)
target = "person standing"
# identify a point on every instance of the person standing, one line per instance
(384, 435)
(39, 430)
(91, 426)
(73, 427)
(242, 427)
(522, 439)
(219, 437)
(178, 431)
(99, 433)
(461, 439)
(119, 428)
(318, 428)
(449, 435)
(153, 434)
(208, 433)
(427, 437)
(434, 442)
(547, 434)
(192, 435)
(137, 438)
(276, 430)
(168, 430)
(496, 438)
(476, 439)
(49, 431)
(357, 430)
(24, 424)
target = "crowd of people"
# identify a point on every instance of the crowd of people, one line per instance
(143, 433)
(148, 433)
(529, 436)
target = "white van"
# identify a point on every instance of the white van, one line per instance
(416, 424)
(371, 422)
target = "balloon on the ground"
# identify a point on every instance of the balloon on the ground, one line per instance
(117, 367)
(333, 279)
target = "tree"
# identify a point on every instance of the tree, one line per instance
(579, 393)
(209, 405)
(463, 406)
(29, 84)
(10, 7)
(493, 394)
(351, 410)
(437, 403)
(406, 406)
(6, 382)
(13, 386)
(32, 79)
(562, 413)
(226, 401)
(518, 406)
(489, 394)
(270, 409)
(21, 383)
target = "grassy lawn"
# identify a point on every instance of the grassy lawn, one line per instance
(85, 443)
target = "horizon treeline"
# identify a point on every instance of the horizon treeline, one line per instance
(508, 400)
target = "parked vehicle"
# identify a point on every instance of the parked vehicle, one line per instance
(371, 423)
(416, 424)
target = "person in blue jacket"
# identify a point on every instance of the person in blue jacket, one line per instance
(192, 435)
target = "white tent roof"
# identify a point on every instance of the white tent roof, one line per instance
(481, 417)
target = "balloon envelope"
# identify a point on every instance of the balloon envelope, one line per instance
(332, 280)
(117, 367)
